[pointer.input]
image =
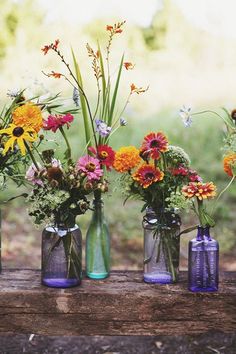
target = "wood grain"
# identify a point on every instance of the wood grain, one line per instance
(120, 305)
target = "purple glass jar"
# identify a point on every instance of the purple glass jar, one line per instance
(203, 264)
(61, 256)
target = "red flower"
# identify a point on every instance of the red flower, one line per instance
(57, 121)
(147, 175)
(105, 154)
(180, 171)
(153, 145)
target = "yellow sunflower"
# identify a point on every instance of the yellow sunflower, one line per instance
(28, 115)
(18, 135)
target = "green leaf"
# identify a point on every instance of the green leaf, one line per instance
(113, 102)
(83, 101)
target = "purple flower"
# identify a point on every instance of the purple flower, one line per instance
(102, 128)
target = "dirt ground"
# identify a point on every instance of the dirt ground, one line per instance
(208, 343)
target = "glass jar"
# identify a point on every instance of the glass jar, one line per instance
(203, 267)
(161, 246)
(98, 244)
(61, 256)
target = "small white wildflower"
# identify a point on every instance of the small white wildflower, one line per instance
(185, 114)
(13, 93)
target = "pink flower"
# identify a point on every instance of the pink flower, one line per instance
(57, 121)
(194, 177)
(90, 166)
(32, 175)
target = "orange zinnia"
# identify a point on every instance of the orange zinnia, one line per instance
(148, 174)
(199, 190)
(230, 164)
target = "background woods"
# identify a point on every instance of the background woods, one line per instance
(184, 61)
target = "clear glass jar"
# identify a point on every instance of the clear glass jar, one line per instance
(161, 246)
(203, 268)
(98, 244)
(61, 256)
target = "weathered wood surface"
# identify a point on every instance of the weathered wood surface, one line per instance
(119, 305)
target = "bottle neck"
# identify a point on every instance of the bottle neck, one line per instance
(98, 209)
(206, 233)
(199, 236)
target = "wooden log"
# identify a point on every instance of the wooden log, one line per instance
(119, 305)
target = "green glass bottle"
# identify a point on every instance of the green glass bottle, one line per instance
(98, 244)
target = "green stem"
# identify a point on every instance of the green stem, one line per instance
(164, 161)
(31, 155)
(67, 144)
(222, 192)
(217, 114)
(170, 259)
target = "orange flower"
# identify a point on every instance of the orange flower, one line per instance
(45, 49)
(28, 115)
(230, 164)
(109, 28)
(147, 175)
(129, 66)
(138, 90)
(55, 75)
(116, 28)
(199, 190)
(126, 158)
(53, 46)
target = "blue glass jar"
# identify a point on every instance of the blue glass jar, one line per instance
(203, 265)
(61, 256)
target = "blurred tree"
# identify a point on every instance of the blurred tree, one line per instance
(15, 15)
(8, 25)
(155, 35)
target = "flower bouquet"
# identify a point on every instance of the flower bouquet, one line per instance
(59, 195)
(19, 125)
(203, 266)
(156, 173)
(100, 123)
